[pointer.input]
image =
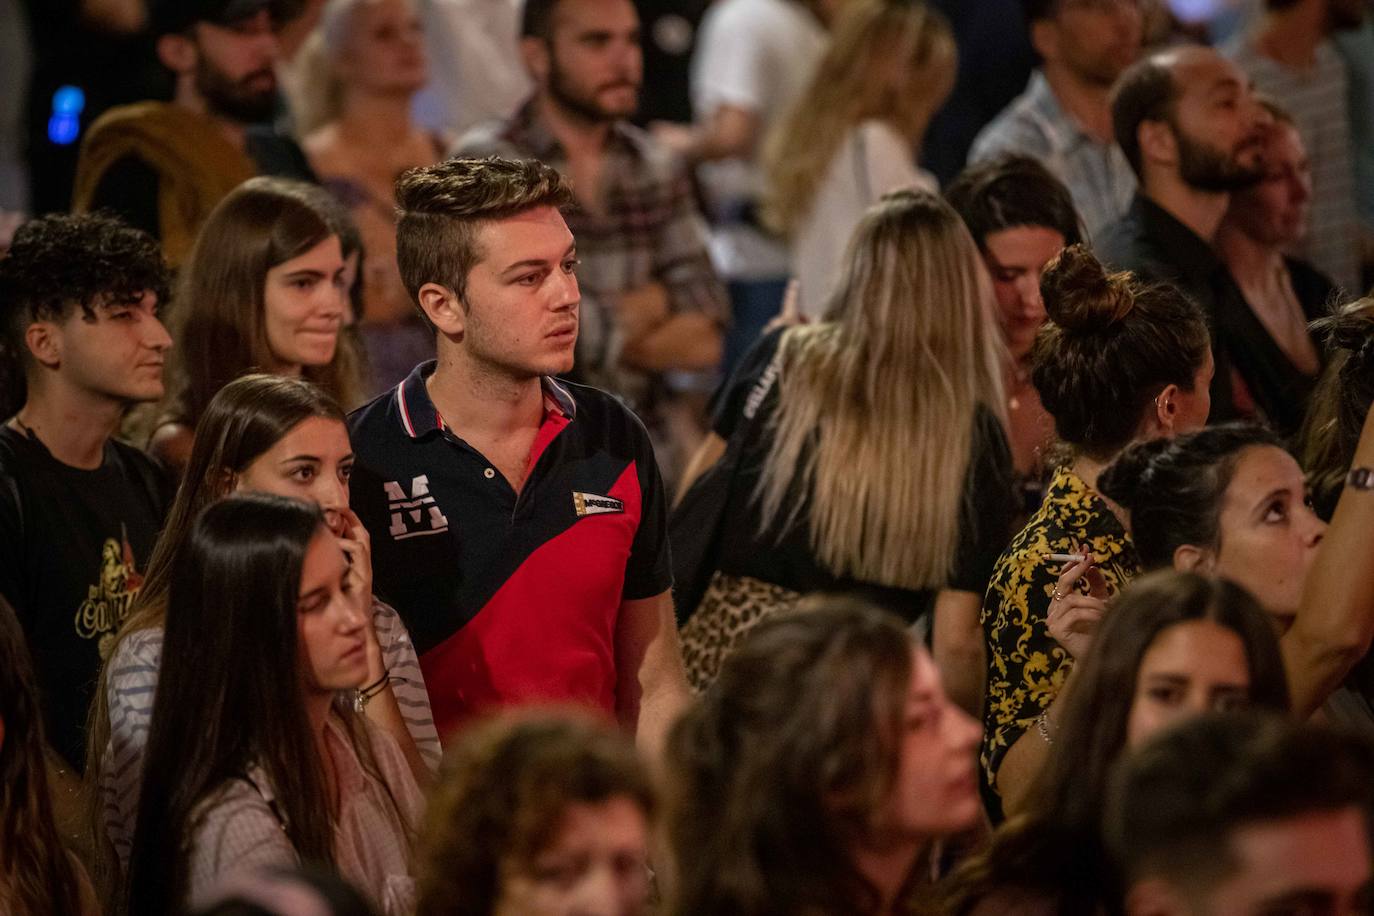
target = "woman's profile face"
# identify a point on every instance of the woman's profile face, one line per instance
(1192, 667)
(385, 50)
(1268, 532)
(597, 862)
(304, 303)
(330, 627)
(935, 791)
(312, 462)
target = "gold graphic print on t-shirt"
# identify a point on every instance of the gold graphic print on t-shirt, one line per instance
(107, 604)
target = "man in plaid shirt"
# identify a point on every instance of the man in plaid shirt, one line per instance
(651, 300)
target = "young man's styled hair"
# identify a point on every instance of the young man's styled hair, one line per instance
(442, 206)
(1010, 191)
(1173, 806)
(63, 262)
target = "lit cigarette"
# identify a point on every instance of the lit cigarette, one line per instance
(1067, 557)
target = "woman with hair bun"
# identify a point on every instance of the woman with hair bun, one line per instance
(1117, 362)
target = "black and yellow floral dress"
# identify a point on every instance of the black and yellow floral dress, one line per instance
(1026, 666)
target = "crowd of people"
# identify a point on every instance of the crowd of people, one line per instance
(694, 457)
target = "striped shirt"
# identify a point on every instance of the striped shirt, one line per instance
(132, 684)
(1097, 174)
(1316, 100)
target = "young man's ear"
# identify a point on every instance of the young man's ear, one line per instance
(44, 343)
(443, 308)
(177, 52)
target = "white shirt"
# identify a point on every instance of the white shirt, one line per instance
(872, 160)
(476, 72)
(757, 55)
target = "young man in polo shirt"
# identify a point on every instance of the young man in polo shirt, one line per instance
(518, 523)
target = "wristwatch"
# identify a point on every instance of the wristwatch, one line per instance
(1360, 479)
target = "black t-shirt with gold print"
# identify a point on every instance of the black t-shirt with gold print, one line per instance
(74, 545)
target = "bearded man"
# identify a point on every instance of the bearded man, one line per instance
(163, 166)
(651, 300)
(1193, 131)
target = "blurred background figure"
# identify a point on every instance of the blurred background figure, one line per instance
(163, 166)
(538, 813)
(820, 773)
(477, 75)
(38, 876)
(1262, 223)
(361, 70)
(853, 135)
(1064, 118)
(1021, 217)
(1289, 55)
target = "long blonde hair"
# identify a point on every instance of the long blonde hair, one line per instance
(854, 82)
(877, 405)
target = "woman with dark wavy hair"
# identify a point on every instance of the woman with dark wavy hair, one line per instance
(38, 877)
(819, 772)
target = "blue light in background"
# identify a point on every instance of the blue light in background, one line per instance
(65, 123)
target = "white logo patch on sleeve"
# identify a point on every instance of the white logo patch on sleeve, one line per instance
(591, 504)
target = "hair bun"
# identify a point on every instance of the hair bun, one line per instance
(1080, 296)
(1350, 327)
(1127, 480)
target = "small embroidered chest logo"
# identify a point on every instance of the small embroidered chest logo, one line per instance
(414, 514)
(591, 504)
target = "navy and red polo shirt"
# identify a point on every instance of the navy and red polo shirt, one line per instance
(511, 599)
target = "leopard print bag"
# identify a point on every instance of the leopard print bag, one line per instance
(730, 609)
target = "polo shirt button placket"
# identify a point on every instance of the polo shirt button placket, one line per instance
(489, 473)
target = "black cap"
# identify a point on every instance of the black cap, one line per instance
(168, 16)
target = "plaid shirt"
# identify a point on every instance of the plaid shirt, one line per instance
(651, 232)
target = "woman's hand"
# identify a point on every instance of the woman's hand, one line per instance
(357, 546)
(1074, 615)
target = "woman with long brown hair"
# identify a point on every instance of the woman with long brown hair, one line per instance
(38, 876)
(878, 460)
(853, 135)
(257, 756)
(261, 433)
(264, 290)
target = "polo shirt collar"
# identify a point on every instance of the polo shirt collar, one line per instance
(419, 417)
